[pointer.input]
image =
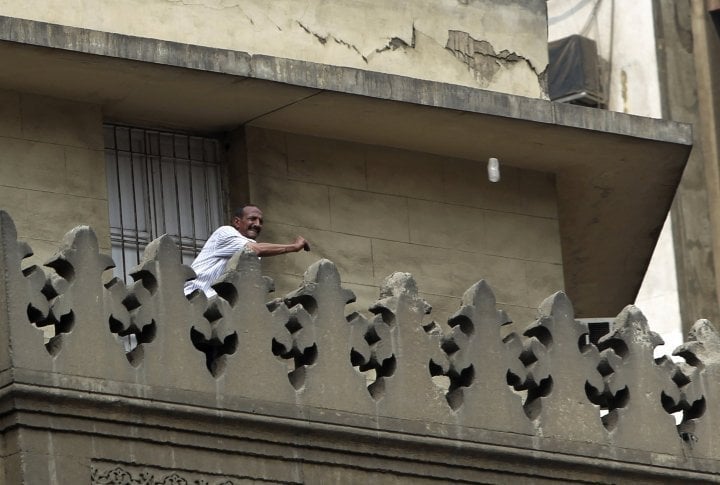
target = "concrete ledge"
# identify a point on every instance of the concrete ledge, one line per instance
(120, 46)
(336, 79)
(304, 437)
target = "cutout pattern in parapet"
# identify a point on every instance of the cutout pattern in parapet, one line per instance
(216, 339)
(477, 357)
(535, 381)
(295, 342)
(132, 318)
(372, 352)
(701, 353)
(639, 392)
(61, 317)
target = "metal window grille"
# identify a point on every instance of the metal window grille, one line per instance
(160, 183)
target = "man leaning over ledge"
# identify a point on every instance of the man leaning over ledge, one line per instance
(245, 227)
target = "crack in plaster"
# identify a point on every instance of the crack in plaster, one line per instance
(393, 44)
(481, 57)
(221, 5)
(324, 38)
(320, 38)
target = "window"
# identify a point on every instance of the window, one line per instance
(160, 183)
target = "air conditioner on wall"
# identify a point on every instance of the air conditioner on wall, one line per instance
(574, 72)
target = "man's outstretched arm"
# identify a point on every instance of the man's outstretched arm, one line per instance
(272, 249)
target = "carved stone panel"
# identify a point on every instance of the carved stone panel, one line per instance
(121, 474)
(409, 391)
(479, 364)
(701, 392)
(83, 344)
(22, 303)
(240, 333)
(560, 367)
(639, 391)
(329, 379)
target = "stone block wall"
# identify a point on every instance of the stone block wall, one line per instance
(499, 45)
(371, 209)
(52, 168)
(375, 210)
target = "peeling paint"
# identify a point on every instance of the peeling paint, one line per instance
(397, 43)
(481, 56)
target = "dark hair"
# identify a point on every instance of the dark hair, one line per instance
(240, 210)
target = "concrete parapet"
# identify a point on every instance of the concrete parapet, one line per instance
(243, 387)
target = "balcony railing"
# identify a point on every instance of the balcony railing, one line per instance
(392, 378)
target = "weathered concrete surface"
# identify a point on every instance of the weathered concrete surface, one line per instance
(560, 368)
(692, 207)
(702, 354)
(292, 73)
(640, 390)
(706, 46)
(415, 39)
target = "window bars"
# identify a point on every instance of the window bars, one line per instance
(160, 183)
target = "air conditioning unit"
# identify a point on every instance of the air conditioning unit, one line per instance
(597, 328)
(574, 72)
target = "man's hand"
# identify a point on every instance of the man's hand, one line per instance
(301, 243)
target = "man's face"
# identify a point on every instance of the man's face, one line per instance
(250, 224)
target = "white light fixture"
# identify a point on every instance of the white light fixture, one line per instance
(493, 170)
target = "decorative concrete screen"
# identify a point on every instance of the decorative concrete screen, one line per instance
(242, 387)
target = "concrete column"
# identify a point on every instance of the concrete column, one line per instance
(692, 209)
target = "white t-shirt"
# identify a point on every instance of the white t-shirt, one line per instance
(210, 263)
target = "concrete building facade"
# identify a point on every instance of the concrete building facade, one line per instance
(369, 137)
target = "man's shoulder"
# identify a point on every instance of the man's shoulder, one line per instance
(229, 232)
(226, 230)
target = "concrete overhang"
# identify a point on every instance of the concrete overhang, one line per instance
(616, 174)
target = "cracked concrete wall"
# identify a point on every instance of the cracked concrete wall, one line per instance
(499, 45)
